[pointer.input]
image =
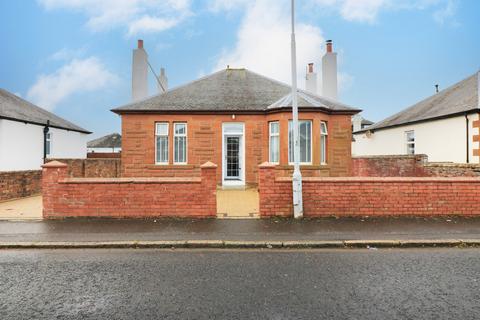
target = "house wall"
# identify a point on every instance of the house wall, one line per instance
(103, 150)
(21, 145)
(369, 196)
(441, 140)
(205, 143)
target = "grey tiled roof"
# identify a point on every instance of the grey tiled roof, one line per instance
(459, 98)
(230, 90)
(113, 140)
(15, 108)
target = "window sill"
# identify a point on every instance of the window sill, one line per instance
(304, 167)
(168, 166)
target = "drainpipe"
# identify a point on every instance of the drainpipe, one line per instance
(467, 124)
(46, 129)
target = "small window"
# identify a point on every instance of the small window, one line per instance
(274, 142)
(410, 139)
(48, 144)
(180, 143)
(161, 143)
(323, 142)
(305, 139)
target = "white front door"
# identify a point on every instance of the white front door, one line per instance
(233, 151)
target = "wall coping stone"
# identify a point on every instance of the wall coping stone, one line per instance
(141, 180)
(208, 165)
(54, 164)
(383, 179)
(266, 165)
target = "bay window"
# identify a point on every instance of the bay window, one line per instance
(323, 142)
(305, 139)
(274, 133)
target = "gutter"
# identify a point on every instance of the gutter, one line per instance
(43, 124)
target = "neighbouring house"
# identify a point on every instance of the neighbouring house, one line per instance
(30, 134)
(445, 127)
(237, 119)
(111, 143)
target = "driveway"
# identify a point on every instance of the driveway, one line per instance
(22, 209)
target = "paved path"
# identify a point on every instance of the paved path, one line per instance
(250, 230)
(25, 208)
(209, 284)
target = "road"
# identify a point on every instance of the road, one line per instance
(241, 284)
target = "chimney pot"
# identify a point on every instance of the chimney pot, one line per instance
(310, 67)
(140, 44)
(329, 45)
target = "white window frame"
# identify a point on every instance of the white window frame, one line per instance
(48, 142)
(409, 143)
(311, 144)
(175, 135)
(270, 136)
(162, 135)
(323, 142)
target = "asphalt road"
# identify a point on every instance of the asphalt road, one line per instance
(215, 284)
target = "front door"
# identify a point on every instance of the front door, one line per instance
(233, 154)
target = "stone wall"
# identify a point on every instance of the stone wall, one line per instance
(127, 197)
(93, 168)
(19, 184)
(370, 196)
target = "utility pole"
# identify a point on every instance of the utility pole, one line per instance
(297, 175)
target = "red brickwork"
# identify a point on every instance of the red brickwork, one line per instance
(205, 143)
(127, 197)
(18, 184)
(103, 155)
(369, 196)
(93, 168)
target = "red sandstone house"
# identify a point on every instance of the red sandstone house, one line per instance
(237, 119)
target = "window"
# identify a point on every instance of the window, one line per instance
(48, 145)
(323, 142)
(274, 142)
(305, 139)
(180, 143)
(161, 143)
(410, 137)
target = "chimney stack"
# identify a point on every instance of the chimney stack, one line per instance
(311, 80)
(139, 73)
(329, 72)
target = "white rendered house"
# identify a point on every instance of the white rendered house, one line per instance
(29, 135)
(444, 126)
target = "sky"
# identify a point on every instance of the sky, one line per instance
(73, 57)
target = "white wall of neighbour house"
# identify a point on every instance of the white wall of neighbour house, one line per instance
(21, 145)
(441, 140)
(103, 150)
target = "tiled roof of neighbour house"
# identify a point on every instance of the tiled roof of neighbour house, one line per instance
(15, 108)
(230, 90)
(113, 140)
(459, 98)
(367, 122)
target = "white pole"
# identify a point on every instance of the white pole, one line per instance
(297, 175)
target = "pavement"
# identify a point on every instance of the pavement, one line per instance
(22, 209)
(253, 233)
(240, 284)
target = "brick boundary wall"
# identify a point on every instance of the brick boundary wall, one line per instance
(19, 184)
(103, 155)
(92, 167)
(128, 197)
(370, 196)
(410, 166)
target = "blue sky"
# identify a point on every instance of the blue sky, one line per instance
(74, 56)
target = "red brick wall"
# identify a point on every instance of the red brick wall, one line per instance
(410, 166)
(127, 197)
(205, 143)
(369, 196)
(103, 155)
(18, 184)
(93, 168)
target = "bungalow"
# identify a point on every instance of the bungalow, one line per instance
(444, 126)
(111, 143)
(30, 134)
(237, 119)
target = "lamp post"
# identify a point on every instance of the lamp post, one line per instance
(297, 175)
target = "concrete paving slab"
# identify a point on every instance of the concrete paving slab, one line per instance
(21, 209)
(238, 204)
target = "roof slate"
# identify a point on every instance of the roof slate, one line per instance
(15, 108)
(113, 140)
(230, 90)
(456, 99)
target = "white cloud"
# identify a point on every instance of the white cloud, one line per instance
(77, 76)
(263, 42)
(137, 16)
(446, 12)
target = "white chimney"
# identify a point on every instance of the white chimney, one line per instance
(329, 72)
(357, 122)
(163, 85)
(311, 80)
(139, 73)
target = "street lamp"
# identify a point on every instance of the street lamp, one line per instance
(297, 175)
